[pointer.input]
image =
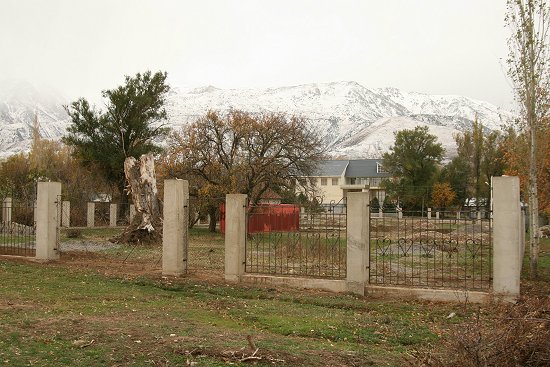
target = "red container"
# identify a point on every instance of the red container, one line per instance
(269, 218)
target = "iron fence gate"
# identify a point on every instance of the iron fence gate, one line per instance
(440, 249)
(17, 228)
(289, 239)
(206, 249)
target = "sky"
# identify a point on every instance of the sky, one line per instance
(431, 46)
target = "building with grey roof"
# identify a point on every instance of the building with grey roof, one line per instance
(335, 178)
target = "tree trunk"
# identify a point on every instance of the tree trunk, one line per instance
(142, 185)
(533, 207)
(212, 211)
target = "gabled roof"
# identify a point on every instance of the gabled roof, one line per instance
(364, 168)
(350, 168)
(331, 168)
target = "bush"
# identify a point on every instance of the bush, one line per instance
(517, 336)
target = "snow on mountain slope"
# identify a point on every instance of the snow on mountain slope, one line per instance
(353, 120)
(491, 116)
(376, 139)
(337, 109)
(19, 103)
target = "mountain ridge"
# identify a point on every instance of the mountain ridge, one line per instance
(353, 120)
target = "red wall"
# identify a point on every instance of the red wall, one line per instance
(269, 218)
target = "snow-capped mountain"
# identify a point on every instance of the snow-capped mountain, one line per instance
(353, 120)
(20, 102)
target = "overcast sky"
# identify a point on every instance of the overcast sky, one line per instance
(430, 46)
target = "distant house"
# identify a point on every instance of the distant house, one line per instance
(270, 197)
(336, 178)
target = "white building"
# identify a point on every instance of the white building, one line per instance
(335, 178)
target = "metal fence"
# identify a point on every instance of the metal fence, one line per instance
(95, 247)
(296, 240)
(17, 228)
(439, 249)
(75, 213)
(205, 250)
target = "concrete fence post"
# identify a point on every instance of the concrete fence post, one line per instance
(437, 215)
(357, 272)
(47, 220)
(380, 214)
(507, 237)
(90, 215)
(235, 236)
(175, 234)
(399, 213)
(66, 214)
(429, 213)
(113, 214)
(6, 210)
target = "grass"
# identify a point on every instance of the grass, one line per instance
(66, 314)
(544, 260)
(54, 315)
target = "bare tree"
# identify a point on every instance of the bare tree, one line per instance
(244, 153)
(528, 22)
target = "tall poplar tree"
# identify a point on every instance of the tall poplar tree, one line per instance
(529, 70)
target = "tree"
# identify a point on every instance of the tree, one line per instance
(529, 70)
(457, 173)
(142, 183)
(443, 195)
(413, 162)
(16, 179)
(480, 156)
(244, 153)
(516, 155)
(127, 128)
(375, 204)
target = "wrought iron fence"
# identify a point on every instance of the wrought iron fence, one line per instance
(76, 213)
(95, 246)
(439, 249)
(17, 228)
(206, 250)
(296, 240)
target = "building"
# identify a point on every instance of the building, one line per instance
(336, 178)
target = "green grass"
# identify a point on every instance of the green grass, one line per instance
(544, 259)
(48, 312)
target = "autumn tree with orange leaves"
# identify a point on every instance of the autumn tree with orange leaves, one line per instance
(443, 195)
(516, 154)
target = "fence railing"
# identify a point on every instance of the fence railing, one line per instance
(440, 249)
(295, 240)
(17, 228)
(78, 213)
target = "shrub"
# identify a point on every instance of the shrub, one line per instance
(517, 336)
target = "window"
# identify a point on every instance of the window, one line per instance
(313, 180)
(335, 181)
(323, 181)
(380, 168)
